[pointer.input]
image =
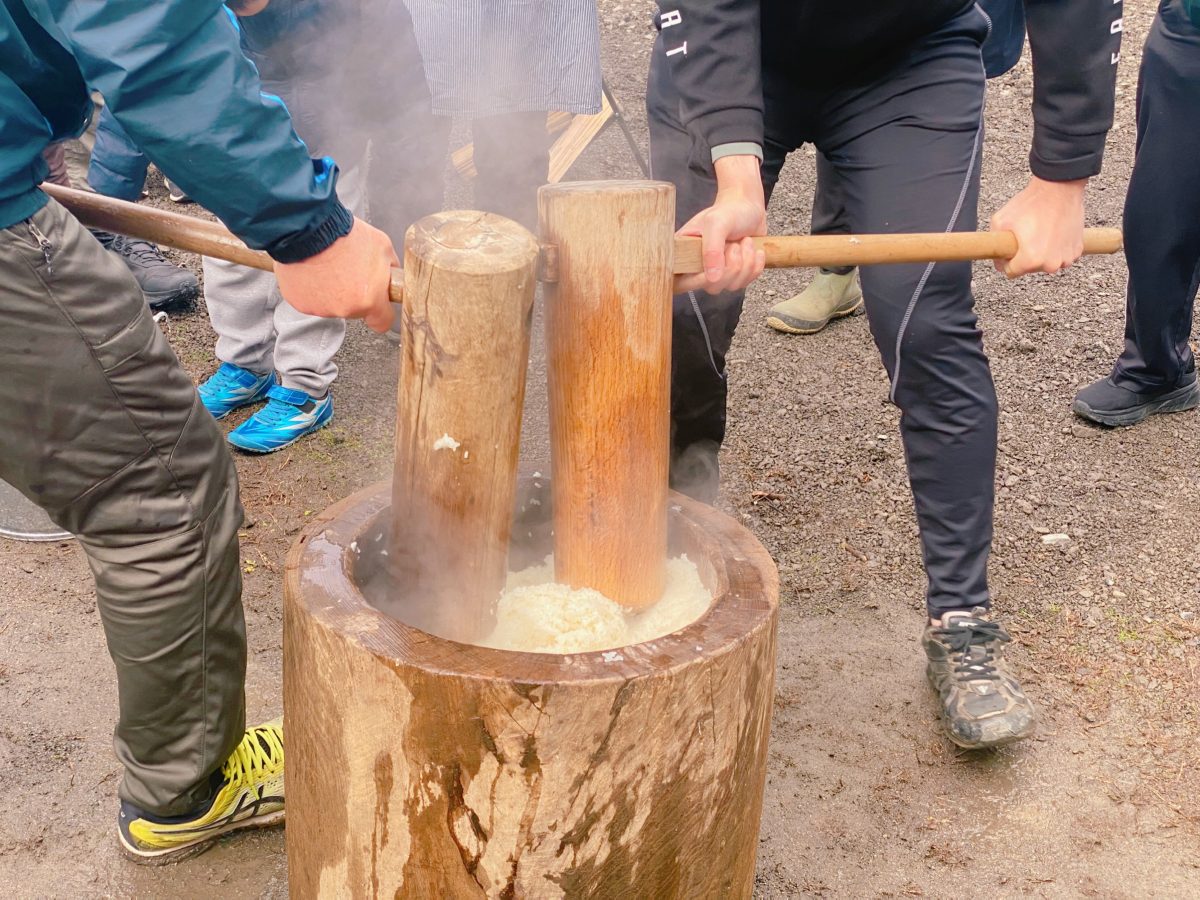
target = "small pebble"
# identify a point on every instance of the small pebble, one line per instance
(1056, 540)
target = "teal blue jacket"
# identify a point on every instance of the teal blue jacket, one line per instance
(174, 77)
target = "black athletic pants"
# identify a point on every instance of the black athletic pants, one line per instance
(906, 150)
(828, 211)
(1162, 209)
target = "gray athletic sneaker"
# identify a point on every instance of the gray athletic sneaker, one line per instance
(830, 296)
(982, 703)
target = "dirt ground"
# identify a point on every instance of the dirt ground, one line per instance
(865, 798)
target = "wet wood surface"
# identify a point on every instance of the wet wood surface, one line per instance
(464, 349)
(422, 768)
(608, 354)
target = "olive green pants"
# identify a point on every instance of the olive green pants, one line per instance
(101, 427)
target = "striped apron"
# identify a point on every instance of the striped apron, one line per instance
(491, 57)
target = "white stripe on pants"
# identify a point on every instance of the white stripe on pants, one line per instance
(259, 331)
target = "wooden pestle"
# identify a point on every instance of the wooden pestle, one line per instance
(465, 343)
(608, 355)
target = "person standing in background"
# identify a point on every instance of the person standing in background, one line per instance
(1156, 373)
(835, 291)
(118, 169)
(503, 66)
(351, 77)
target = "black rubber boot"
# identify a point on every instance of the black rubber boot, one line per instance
(1109, 404)
(165, 285)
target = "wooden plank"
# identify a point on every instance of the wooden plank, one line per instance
(572, 142)
(576, 133)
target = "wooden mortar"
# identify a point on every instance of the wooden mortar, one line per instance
(419, 767)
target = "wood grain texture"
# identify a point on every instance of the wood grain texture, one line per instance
(421, 768)
(577, 132)
(783, 251)
(608, 346)
(576, 137)
(464, 348)
(792, 250)
(171, 229)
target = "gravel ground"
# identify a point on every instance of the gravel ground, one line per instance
(865, 798)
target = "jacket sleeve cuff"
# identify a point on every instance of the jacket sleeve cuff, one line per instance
(1064, 157)
(730, 126)
(297, 247)
(738, 148)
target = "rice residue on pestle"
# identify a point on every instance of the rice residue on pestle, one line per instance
(537, 615)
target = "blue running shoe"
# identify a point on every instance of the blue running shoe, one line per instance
(233, 387)
(288, 416)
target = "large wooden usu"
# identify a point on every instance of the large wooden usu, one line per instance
(421, 766)
(425, 769)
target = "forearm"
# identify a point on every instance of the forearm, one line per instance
(174, 76)
(739, 175)
(1075, 46)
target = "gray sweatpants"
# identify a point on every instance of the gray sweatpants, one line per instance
(260, 331)
(101, 427)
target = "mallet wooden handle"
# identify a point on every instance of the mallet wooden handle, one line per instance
(784, 251)
(172, 230)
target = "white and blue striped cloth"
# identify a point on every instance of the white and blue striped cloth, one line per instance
(491, 57)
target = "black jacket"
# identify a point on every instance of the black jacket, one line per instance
(718, 49)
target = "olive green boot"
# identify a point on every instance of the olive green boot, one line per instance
(830, 296)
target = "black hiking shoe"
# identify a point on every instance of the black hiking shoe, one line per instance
(1109, 404)
(982, 703)
(165, 285)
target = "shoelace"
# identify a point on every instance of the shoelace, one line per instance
(261, 748)
(223, 380)
(276, 412)
(139, 250)
(973, 642)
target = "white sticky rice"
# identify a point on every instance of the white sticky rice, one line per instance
(537, 615)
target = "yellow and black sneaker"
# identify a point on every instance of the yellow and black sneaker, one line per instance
(250, 795)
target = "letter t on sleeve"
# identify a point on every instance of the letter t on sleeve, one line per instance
(713, 48)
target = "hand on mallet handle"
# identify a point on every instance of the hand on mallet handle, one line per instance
(349, 279)
(739, 213)
(1047, 220)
